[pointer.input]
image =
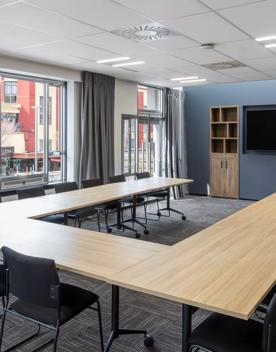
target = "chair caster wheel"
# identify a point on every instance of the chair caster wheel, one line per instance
(183, 217)
(137, 235)
(109, 230)
(146, 232)
(159, 214)
(148, 341)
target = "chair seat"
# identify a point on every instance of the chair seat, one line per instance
(109, 205)
(130, 200)
(56, 218)
(158, 194)
(82, 213)
(73, 301)
(220, 333)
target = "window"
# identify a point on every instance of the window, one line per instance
(143, 135)
(10, 90)
(32, 136)
(150, 101)
(41, 112)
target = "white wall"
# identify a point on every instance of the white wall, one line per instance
(125, 103)
(13, 64)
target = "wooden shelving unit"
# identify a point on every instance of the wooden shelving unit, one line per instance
(224, 150)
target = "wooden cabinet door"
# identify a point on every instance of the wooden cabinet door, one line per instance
(218, 172)
(231, 177)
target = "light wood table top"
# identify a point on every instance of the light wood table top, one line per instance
(227, 268)
(90, 253)
(62, 202)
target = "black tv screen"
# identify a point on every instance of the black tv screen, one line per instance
(260, 129)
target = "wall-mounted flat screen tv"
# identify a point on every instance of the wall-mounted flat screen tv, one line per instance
(260, 129)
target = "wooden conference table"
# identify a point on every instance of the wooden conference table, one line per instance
(226, 268)
(93, 254)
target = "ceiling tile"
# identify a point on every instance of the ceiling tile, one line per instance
(246, 73)
(265, 64)
(244, 49)
(104, 14)
(71, 48)
(34, 18)
(18, 37)
(164, 60)
(201, 56)
(112, 42)
(206, 28)
(221, 4)
(172, 43)
(256, 19)
(164, 9)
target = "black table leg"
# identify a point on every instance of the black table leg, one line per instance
(186, 327)
(115, 328)
(65, 218)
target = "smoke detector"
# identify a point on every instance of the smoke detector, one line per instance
(146, 32)
(226, 65)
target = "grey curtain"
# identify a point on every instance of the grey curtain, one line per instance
(175, 147)
(97, 126)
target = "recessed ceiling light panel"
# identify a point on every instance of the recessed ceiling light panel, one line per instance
(133, 63)
(184, 78)
(146, 32)
(266, 39)
(106, 61)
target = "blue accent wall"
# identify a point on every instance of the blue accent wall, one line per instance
(257, 171)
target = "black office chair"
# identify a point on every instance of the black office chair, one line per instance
(40, 297)
(158, 195)
(220, 333)
(105, 208)
(162, 194)
(34, 192)
(31, 192)
(78, 215)
(132, 202)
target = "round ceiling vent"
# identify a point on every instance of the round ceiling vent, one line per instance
(146, 32)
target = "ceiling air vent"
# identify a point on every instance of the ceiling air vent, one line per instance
(226, 65)
(146, 32)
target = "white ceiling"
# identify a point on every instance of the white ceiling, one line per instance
(77, 33)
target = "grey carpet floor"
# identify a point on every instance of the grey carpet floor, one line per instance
(161, 317)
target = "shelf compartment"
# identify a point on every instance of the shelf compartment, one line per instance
(233, 130)
(217, 145)
(219, 130)
(215, 115)
(231, 146)
(229, 114)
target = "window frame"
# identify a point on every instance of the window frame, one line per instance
(62, 126)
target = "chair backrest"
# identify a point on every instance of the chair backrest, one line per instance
(140, 175)
(117, 178)
(8, 196)
(269, 327)
(30, 192)
(66, 187)
(31, 279)
(91, 182)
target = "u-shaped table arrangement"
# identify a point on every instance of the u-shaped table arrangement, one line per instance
(227, 268)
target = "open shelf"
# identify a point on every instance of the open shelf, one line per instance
(229, 114)
(219, 130)
(215, 115)
(231, 146)
(217, 145)
(233, 130)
